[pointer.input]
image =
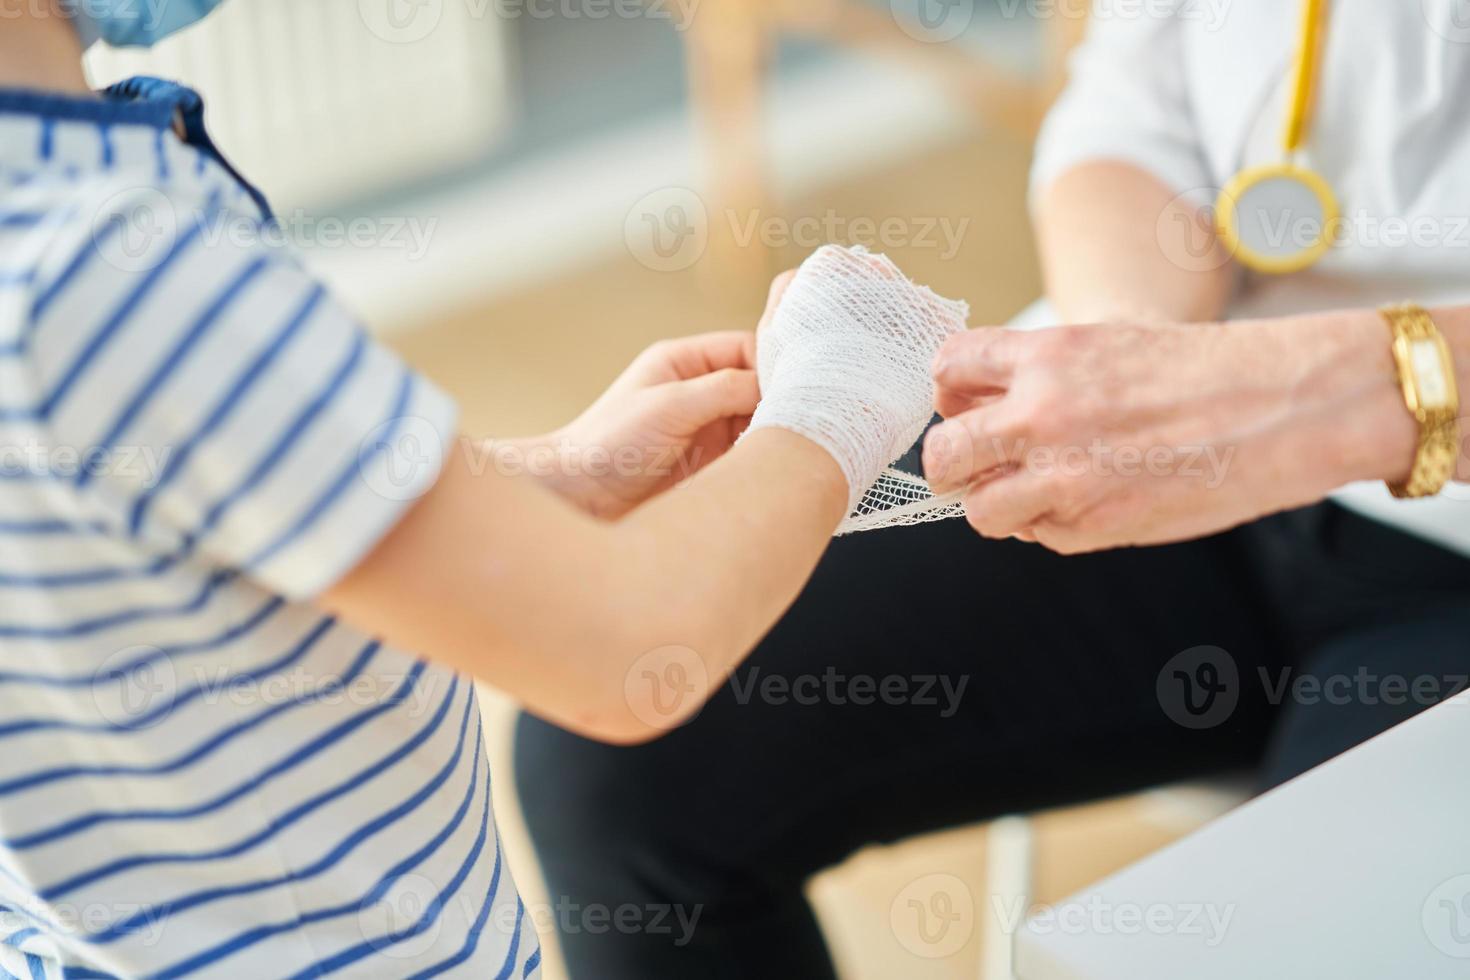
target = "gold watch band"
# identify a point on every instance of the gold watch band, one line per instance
(1427, 375)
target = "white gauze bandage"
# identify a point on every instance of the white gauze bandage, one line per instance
(845, 361)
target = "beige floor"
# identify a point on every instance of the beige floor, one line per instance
(527, 362)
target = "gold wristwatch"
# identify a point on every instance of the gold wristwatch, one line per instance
(1427, 374)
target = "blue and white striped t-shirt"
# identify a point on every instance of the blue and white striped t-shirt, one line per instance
(201, 774)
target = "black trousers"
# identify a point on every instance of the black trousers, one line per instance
(1015, 679)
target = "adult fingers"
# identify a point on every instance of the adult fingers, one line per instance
(949, 404)
(1008, 506)
(967, 447)
(984, 359)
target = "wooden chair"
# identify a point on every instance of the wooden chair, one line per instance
(728, 48)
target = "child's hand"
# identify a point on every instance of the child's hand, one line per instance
(678, 407)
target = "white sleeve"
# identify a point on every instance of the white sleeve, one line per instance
(229, 409)
(1126, 100)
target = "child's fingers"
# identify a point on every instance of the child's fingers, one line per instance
(690, 357)
(727, 393)
(773, 299)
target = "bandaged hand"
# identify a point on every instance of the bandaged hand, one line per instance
(845, 360)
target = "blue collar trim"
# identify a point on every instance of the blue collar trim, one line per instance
(136, 102)
(139, 101)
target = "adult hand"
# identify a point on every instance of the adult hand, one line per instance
(1091, 437)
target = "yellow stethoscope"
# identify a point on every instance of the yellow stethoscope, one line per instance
(1282, 217)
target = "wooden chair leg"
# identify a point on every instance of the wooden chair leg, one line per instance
(727, 50)
(1008, 883)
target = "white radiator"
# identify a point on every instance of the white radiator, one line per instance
(322, 100)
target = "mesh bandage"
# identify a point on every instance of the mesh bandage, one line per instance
(897, 499)
(845, 361)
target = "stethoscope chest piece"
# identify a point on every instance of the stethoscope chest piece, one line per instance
(1282, 217)
(1278, 219)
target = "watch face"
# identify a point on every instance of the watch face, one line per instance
(1429, 374)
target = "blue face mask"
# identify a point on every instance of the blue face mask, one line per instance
(134, 23)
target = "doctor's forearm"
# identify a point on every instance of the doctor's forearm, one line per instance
(1117, 245)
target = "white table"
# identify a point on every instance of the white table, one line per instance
(1358, 870)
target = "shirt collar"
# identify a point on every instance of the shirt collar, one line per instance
(125, 126)
(112, 107)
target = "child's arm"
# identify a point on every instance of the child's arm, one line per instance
(524, 588)
(498, 577)
(504, 579)
(233, 416)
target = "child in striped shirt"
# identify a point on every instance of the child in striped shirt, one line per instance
(249, 566)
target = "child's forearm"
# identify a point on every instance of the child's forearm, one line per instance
(504, 580)
(734, 547)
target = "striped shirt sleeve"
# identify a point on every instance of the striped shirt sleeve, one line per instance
(221, 404)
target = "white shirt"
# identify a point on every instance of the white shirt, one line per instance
(1195, 90)
(202, 774)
